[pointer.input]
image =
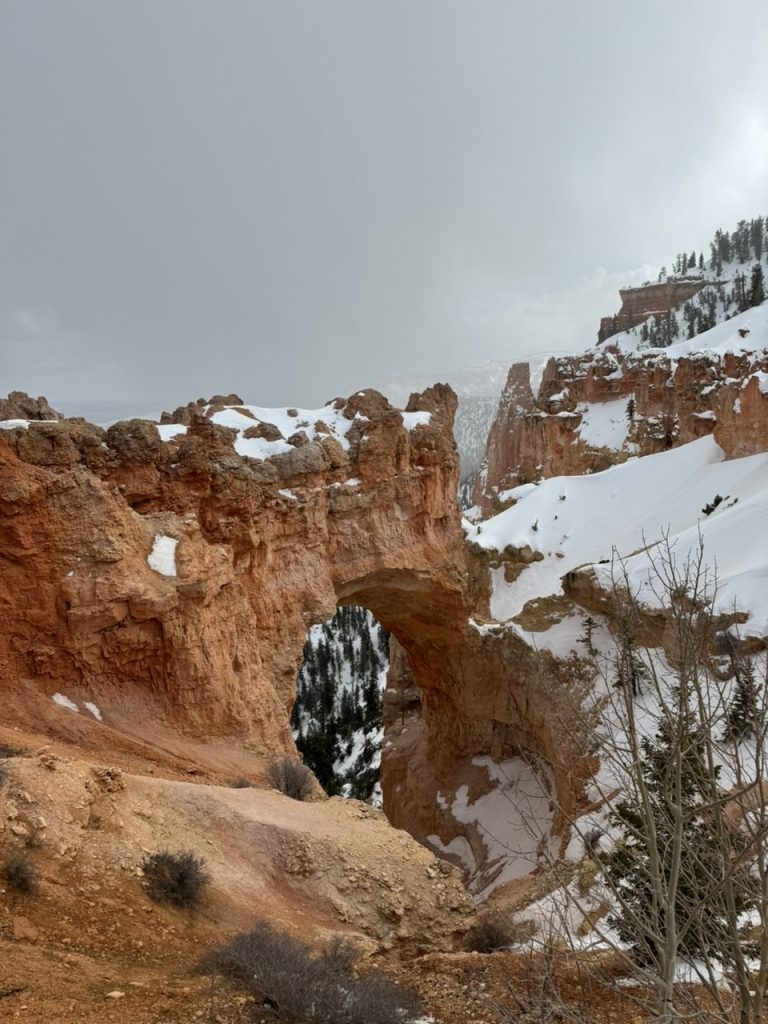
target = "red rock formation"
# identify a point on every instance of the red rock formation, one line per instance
(674, 402)
(86, 615)
(21, 406)
(263, 549)
(638, 304)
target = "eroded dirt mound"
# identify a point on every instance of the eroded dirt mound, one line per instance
(313, 869)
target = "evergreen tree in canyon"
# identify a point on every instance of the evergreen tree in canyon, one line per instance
(337, 716)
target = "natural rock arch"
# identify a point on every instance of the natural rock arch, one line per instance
(263, 549)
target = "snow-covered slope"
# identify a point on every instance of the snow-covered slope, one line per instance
(572, 521)
(718, 340)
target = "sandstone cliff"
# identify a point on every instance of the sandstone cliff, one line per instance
(262, 548)
(638, 304)
(156, 588)
(614, 402)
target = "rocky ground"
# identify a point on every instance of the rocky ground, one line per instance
(89, 945)
(90, 931)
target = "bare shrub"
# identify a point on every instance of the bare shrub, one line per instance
(490, 934)
(240, 783)
(19, 873)
(542, 994)
(176, 878)
(291, 777)
(298, 984)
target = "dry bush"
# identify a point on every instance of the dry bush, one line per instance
(291, 777)
(176, 878)
(19, 873)
(240, 783)
(490, 934)
(297, 984)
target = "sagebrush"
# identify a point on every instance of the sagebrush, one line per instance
(291, 777)
(19, 873)
(176, 878)
(299, 984)
(488, 935)
(240, 783)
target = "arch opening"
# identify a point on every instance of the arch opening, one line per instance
(337, 721)
(470, 765)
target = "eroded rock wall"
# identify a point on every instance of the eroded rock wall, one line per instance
(673, 401)
(638, 304)
(262, 550)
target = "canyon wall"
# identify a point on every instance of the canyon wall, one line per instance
(659, 402)
(638, 304)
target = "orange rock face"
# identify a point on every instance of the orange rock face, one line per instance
(673, 402)
(262, 550)
(207, 659)
(638, 304)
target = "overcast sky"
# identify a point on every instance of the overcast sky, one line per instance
(293, 198)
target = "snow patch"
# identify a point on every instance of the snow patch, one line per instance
(162, 557)
(458, 848)
(314, 422)
(93, 709)
(411, 420)
(603, 424)
(513, 819)
(168, 431)
(65, 702)
(575, 521)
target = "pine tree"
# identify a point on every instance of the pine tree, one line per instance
(757, 233)
(741, 242)
(587, 637)
(757, 286)
(743, 712)
(338, 693)
(641, 866)
(740, 292)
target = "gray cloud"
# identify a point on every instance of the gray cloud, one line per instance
(292, 199)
